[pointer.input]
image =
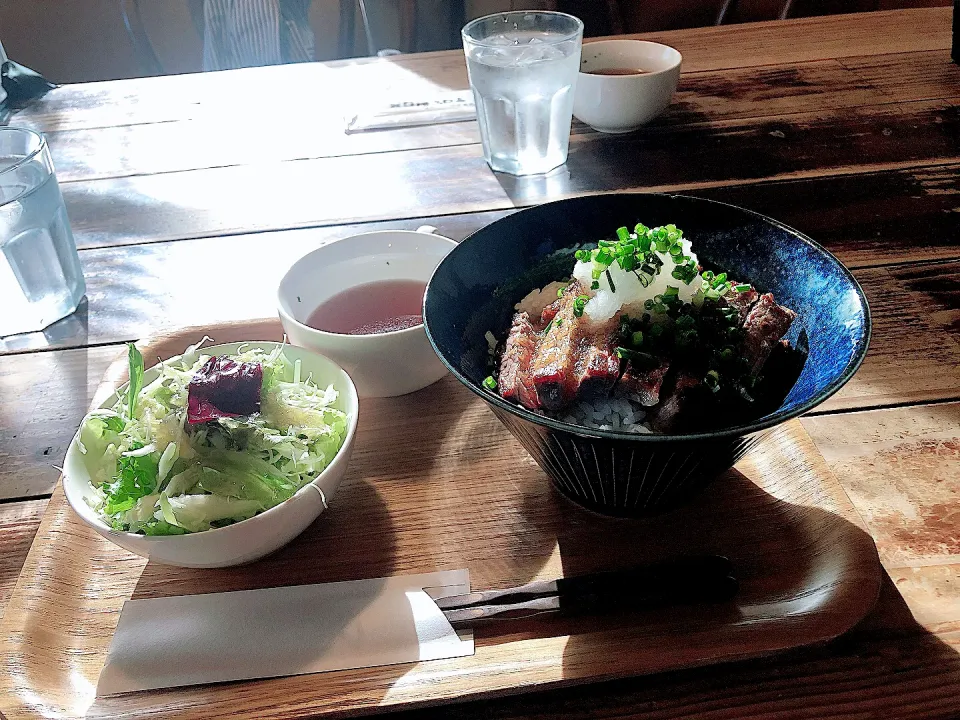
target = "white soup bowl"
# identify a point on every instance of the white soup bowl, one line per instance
(384, 364)
(624, 103)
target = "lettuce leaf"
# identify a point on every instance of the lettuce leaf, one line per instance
(243, 476)
(136, 378)
(196, 513)
(136, 477)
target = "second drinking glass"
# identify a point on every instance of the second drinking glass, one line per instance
(523, 71)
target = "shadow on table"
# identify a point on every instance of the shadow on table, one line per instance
(885, 659)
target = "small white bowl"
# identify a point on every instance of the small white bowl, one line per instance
(624, 103)
(381, 365)
(249, 539)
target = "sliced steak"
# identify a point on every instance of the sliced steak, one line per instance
(669, 415)
(764, 325)
(741, 301)
(514, 382)
(644, 385)
(596, 365)
(552, 365)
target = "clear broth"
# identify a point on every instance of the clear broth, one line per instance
(371, 308)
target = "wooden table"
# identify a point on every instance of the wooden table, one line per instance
(190, 195)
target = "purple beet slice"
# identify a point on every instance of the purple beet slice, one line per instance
(224, 388)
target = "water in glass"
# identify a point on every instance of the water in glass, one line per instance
(40, 276)
(523, 83)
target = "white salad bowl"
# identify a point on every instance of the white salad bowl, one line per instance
(247, 540)
(381, 365)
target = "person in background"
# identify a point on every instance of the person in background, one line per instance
(247, 33)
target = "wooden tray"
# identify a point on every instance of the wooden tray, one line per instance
(437, 483)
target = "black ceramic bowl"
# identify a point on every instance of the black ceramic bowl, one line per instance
(476, 286)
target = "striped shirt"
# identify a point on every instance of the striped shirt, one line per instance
(246, 33)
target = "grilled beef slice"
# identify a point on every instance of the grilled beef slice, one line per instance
(570, 358)
(551, 369)
(764, 325)
(514, 382)
(741, 301)
(674, 412)
(644, 385)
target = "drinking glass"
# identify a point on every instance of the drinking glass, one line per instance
(523, 69)
(40, 276)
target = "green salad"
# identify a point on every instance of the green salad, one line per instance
(168, 459)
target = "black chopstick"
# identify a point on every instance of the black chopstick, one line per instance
(686, 580)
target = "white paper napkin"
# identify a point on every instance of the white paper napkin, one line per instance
(435, 109)
(196, 639)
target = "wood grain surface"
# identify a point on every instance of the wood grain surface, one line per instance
(842, 126)
(436, 483)
(454, 179)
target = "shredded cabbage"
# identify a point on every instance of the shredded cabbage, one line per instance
(154, 474)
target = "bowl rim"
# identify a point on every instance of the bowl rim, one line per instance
(325, 334)
(678, 62)
(764, 423)
(94, 520)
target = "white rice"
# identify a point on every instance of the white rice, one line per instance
(614, 413)
(537, 299)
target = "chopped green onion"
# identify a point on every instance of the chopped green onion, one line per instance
(582, 255)
(613, 287)
(640, 359)
(560, 292)
(595, 285)
(603, 256)
(742, 287)
(685, 322)
(623, 234)
(641, 229)
(648, 304)
(671, 291)
(636, 339)
(559, 321)
(718, 280)
(596, 272)
(708, 276)
(579, 304)
(727, 354)
(489, 383)
(643, 243)
(607, 243)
